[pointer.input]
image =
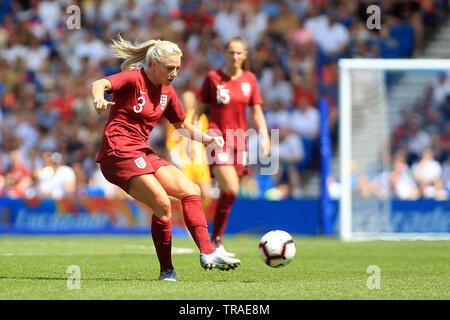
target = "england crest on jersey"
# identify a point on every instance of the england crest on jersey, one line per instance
(140, 163)
(245, 86)
(163, 100)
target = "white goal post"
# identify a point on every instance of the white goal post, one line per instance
(347, 67)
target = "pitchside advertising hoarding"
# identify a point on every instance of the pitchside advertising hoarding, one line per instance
(78, 215)
(102, 215)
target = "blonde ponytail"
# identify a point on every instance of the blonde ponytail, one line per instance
(152, 50)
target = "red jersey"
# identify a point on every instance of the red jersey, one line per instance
(138, 107)
(228, 99)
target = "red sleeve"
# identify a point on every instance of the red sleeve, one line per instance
(174, 111)
(256, 94)
(124, 79)
(205, 92)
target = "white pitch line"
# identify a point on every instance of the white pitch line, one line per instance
(175, 250)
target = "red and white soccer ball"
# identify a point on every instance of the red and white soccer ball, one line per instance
(277, 248)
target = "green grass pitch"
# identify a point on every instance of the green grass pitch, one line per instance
(126, 267)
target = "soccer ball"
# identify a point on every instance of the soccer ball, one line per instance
(277, 248)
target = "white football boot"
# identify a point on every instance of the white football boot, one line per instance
(222, 250)
(219, 261)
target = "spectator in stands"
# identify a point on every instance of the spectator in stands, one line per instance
(47, 116)
(47, 139)
(271, 8)
(432, 121)
(378, 186)
(255, 23)
(300, 37)
(402, 182)
(55, 180)
(80, 179)
(91, 47)
(303, 88)
(285, 20)
(290, 152)
(363, 50)
(427, 174)
(215, 57)
(304, 120)
(359, 183)
(444, 142)
(64, 100)
(199, 20)
(33, 161)
(36, 53)
(409, 12)
(227, 22)
(18, 178)
(26, 130)
(332, 38)
(441, 89)
(280, 88)
(316, 20)
(401, 132)
(277, 115)
(418, 140)
(444, 108)
(49, 12)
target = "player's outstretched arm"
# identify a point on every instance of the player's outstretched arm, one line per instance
(98, 94)
(261, 126)
(188, 130)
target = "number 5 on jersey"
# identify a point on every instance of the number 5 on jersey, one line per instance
(223, 95)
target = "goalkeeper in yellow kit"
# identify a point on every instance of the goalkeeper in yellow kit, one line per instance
(190, 155)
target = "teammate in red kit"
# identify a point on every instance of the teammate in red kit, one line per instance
(140, 98)
(227, 92)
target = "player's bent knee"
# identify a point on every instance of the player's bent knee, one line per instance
(190, 189)
(195, 190)
(163, 209)
(232, 190)
(166, 207)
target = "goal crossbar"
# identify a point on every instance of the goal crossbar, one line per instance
(394, 64)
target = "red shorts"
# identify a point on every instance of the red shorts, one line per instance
(118, 171)
(236, 158)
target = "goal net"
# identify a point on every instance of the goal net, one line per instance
(375, 96)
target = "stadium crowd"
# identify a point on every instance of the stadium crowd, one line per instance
(50, 133)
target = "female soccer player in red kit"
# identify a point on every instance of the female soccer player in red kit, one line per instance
(140, 98)
(228, 92)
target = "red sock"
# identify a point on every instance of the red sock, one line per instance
(162, 238)
(221, 215)
(195, 220)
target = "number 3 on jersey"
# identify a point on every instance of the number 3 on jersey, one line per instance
(141, 102)
(223, 95)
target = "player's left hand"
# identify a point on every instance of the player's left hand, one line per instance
(218, 141)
